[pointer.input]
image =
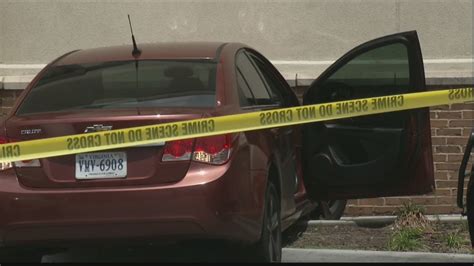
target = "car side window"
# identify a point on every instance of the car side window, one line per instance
(253, 80)
(380, 71)
(245, 95)
(272, 84)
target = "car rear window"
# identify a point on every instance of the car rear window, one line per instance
(124, 84)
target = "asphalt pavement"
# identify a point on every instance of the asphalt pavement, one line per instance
(336, 255)
(289, 255)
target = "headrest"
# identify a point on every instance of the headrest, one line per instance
(179, 72)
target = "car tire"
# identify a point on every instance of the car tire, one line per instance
(269, 247)
(30, 255)
(329, 210)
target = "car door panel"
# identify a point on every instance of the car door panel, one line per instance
(374, 155)
(261, 91)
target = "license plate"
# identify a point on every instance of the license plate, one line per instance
(101, 165)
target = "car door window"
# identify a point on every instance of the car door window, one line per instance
(245, 95)
(273, 86)
(381, 71)
(253, 80)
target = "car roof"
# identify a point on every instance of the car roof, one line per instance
(170, 50)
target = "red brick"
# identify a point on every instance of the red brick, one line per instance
(443, 192)
(420, 200)
(461, 123)
(439, 123)
(447, 149)
(446, 200)
(442, 209)
(446, 166)
(468, 114)
(384, 210)
(452, 175)
(372, 202)
(440, 107)
(438, 140)
(441, 175)
(433, 115)
(7, 102)
(462, 106)
(448, 183)
(356, 210)
(449, 115)
(456, 140)
(449, 132)
(440, 157)
(454, 158)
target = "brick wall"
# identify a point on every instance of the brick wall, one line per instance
(7, 98)
(451, 124)
(450, 127)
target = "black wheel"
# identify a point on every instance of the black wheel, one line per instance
(330, 210)
(20, 255)
(268, 249)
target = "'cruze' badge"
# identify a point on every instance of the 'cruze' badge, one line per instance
(97, 128)
(30, 131)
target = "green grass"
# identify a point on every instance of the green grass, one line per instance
(454, 240)
(406, 239)
(409, 228)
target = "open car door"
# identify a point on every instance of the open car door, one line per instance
(377, 155)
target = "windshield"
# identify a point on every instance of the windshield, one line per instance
(157, 83)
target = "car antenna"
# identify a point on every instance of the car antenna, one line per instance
(136, 52)
(296, 81)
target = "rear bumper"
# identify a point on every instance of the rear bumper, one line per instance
(210, 202)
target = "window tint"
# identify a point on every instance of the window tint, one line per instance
(380, 71)
(273, 85)
(122, 85)
(253, 79)
(245, 95)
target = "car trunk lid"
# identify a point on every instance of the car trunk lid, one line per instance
(143, 163)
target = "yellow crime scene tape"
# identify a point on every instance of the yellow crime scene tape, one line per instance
(120, 138)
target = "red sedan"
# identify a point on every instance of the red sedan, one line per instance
(246, 187)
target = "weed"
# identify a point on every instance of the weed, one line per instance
(405, 239)
(412, 216)
(454, 240)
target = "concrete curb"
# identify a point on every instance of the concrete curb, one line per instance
(336, 255)
(380, 220)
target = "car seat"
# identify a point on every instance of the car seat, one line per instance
(182, 79)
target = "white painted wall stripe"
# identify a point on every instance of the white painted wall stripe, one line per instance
(426, 61)
(276, 62)
(22, 66)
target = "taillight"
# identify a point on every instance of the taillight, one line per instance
(213, 150)
(178, 150)
(9, 165)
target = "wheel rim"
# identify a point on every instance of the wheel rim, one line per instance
(273, 230)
